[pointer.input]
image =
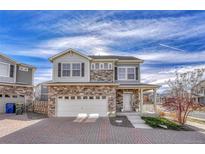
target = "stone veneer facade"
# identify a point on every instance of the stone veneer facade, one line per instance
(27, 91)
(101, 75)
(119, 98)
(55, 91)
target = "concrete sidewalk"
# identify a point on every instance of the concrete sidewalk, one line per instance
(136, 120)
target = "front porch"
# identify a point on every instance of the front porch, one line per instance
(130, 98)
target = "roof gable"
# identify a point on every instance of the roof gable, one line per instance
(7, 58)
(66, 52)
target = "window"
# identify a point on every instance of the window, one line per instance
(121, 73)
(130, 73)
(106, 66)
(4, 69)
(92, 66)
(76, 69)
(91, 97)
(1, 95)
(14, 96)
(110, 66)
(22, 96)
(85, 97)
(101, 66)
(72, 97)
(67, 97)
(66, 69)
(97, 66)
(7, 96)
(97, 97)
(60, 97)
(78, 97)
(103, 97)
(126, 73)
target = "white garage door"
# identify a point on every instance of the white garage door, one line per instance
(72, 106)
(10, 99)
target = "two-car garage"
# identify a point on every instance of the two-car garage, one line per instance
(72, 106)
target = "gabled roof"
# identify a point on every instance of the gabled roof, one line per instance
(15, 62)
(67, 51)
(103, 57)
(114, 57)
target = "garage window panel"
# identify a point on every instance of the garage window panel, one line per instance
(1, 95)
(7, 96)
(97, 97)
(91, 97)
(85, 97)
(72, 97)
(66, 97)
(76, 69)
(60, 97)
(78, 97)
(103, 97)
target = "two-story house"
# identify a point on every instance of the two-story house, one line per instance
(200, 92)
(16, 82)
(95, 84)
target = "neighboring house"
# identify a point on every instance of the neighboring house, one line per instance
(41, 92)
(16, 82)
(200, 92)
(95, 84)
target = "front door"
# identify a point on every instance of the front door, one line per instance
(127, 100)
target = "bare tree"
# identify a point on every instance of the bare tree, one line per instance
(181, 95)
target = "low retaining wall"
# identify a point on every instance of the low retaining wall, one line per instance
(40, 107)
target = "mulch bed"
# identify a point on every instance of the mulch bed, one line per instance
(125, 121)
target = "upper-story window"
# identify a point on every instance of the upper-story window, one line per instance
(92, 66)
(66, 70)
(105, 66)
(97, 66)
(126, 73)
(71, 69)
(121, 73)
(130, 73)
(4, 69)
(101, 66)
(76, 69)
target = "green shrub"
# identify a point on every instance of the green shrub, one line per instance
(155, 122)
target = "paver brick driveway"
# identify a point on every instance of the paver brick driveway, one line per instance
(70, 130)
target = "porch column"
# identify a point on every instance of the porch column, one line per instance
(141, 102)
(155, 100)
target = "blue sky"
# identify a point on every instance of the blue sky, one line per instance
(33, 36)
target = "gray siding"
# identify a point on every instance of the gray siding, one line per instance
(24, 77)
(74, 58)
(7, 79)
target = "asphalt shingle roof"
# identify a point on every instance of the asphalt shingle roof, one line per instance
(114, 57)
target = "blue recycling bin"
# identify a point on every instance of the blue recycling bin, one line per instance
(10, 107)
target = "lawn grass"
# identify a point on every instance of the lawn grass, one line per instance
(155, 122)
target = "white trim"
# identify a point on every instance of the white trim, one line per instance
(126, 73)
(8, 75)
(101, 64)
